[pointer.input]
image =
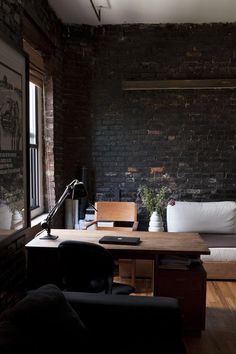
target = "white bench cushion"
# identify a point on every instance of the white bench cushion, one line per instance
(220, 255)
(208, 217)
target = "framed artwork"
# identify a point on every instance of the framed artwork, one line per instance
(13, 139)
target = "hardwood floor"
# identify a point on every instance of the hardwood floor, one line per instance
(143, 286)
(219, 336)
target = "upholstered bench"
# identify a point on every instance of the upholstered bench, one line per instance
(216, 223)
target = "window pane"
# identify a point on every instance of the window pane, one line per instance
(36, 191)
(34, 178)
(33, 114)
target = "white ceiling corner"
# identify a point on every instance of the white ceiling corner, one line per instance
(146, 11)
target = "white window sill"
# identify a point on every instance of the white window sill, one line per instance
(37, 220)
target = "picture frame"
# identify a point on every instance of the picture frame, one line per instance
(14, 213)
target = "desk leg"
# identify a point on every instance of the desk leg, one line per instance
(189, 287)
(155, 276)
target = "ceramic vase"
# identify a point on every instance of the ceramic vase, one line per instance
(5, 217)
(155, 223)
(17, 219)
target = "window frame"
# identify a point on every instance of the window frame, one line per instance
(37, 210)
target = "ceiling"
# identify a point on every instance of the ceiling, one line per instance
(145, 11)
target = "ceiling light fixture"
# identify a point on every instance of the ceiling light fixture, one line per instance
(98, 5)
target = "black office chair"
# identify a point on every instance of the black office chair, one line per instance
(88, 267)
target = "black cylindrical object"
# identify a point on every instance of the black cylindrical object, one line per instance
(83, 202)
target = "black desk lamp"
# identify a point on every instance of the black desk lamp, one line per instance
(74, 190)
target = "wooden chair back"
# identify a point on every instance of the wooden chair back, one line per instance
(119, 212)
(116, 211)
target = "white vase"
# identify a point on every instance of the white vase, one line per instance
(155, 223)
(17, 220)
(5, 217)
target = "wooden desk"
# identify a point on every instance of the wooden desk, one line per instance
(187, 285)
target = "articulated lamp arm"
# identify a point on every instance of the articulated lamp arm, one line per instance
(69, 191)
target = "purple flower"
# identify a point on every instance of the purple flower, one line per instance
(171, 202)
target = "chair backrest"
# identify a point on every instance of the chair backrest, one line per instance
(116, 211)
(85, 267)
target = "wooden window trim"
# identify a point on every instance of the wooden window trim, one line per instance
(36, 64)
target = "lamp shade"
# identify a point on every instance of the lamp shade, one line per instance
(78, 191)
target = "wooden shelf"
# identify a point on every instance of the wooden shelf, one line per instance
(179, 84)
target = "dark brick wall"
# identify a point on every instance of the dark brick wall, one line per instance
(184, 139)
(11, 21)
(78, 58)
(12, 251)
(45, 18)
(12, 256)
(52, 29)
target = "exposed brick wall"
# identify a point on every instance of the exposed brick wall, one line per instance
(12, 256)
(54, 133)
(45, 18)
(52, 28)
(11, 20)
(11, 279)
(184, 139)
(78, 57)
(12, 252)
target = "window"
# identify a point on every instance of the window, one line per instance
(36, 76)
(35, 146)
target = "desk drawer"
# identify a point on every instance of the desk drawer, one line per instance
(189, 287)
(179, 282)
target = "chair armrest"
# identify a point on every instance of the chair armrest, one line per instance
(85, 227)
(135, 226)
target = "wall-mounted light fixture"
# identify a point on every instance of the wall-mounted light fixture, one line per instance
(98, 5)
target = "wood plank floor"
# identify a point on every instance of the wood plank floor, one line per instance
(219, 336)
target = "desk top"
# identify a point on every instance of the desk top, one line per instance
(152, 243)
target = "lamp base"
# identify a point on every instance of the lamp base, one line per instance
(49, 237)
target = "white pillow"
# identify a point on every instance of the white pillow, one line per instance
(208, 217)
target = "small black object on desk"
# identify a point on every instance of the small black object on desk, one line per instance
(122, 240)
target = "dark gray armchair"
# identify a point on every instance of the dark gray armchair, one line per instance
(50, 321)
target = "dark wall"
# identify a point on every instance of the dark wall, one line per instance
(184, 139)
(78, 59)
(11, 21)
(12, 251)
(12, 256)
(51, 49)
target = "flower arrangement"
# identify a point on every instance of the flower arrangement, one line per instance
(152, 200)
(14, 200)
